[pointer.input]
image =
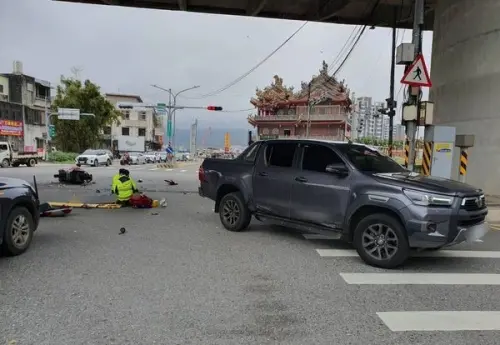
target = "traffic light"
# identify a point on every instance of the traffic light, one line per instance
(52, 131)
(214, 108)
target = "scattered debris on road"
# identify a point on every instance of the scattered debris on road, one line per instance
(122, 231)
(171, 183)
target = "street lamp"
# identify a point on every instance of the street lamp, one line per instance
(172, 101)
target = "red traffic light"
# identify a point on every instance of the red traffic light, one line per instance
(214, 108)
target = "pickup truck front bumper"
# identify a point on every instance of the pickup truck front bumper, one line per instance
(438, 227)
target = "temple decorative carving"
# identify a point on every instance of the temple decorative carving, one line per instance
(282, 111)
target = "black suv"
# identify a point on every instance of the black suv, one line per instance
(19, 215)
(349, 189)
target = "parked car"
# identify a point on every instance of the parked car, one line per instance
(344, 189)
(152, 157)
(94, 158)
(137, 158)
(19, 215)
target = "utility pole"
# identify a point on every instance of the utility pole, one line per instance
(308, 110)
(172, 106)
(193, 138)
(391, 102)
(168, 132)
(415, 93)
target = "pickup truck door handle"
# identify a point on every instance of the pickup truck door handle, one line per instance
(262, 173)
(300, 179)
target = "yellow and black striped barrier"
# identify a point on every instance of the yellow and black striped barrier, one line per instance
(167, 165)
(463, 162)
(407, 153)
(426, 159)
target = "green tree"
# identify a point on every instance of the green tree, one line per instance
(76, 136)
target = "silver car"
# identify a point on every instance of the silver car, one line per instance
(137, 158)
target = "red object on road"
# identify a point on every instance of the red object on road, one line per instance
(58, 212)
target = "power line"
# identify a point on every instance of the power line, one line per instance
(237, 111)
(243, 76)
(350, 51)
(350, 38)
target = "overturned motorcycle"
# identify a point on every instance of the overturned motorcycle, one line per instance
(74, 175)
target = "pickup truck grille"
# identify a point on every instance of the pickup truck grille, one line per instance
(473, 203)
(82, 159)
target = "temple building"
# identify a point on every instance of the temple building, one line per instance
(283, 113)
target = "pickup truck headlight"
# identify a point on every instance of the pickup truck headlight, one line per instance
(428, 199)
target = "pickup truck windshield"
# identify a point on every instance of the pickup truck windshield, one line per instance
(368, 160)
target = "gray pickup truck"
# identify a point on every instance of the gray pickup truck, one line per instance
(346, 189)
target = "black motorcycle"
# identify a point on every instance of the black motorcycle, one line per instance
(73, 176)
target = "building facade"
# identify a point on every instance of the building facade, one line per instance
(24, 102)
(282, 113)
(136, 121)
(371, 124)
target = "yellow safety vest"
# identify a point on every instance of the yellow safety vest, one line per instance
(124, 187)
(114, 181)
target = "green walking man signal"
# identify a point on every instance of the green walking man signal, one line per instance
(52, 131)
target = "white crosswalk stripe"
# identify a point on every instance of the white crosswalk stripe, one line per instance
(422, 321)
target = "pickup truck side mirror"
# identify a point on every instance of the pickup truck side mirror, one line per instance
(337, 169)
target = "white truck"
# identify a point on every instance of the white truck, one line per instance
(10, 157)
(131, 144)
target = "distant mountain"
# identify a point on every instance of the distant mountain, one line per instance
(212, 138)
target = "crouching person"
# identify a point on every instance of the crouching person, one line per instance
(124, 187)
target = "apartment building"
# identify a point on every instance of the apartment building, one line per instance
(136, 121)
(24, 101)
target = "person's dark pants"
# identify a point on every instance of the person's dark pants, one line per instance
(123, 203)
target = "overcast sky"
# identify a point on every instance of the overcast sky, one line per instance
(125, 50)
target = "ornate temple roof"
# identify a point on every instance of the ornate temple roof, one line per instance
(322, 87)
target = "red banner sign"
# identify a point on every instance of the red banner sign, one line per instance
(12, 128)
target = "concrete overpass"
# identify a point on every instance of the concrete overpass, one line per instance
(465, 58)
(366, 12)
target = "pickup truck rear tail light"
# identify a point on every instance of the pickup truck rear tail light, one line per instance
(201, 174)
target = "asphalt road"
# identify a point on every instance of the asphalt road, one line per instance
(179, 278)
(150, 179)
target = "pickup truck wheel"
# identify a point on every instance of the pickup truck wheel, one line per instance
(381, 241)
(5, 163)
(18, 232)
(31, 162)
(96, 163)
(234, 214)
(108, 162)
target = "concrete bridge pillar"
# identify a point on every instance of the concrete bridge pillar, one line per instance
(465, 72)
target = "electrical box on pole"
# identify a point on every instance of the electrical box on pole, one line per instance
(441, 142)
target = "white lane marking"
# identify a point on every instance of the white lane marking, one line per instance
(485, 254)
(336, 253)
(183, 170)
(169, 169)
(320, 237)
(421, 279)
(418, 321)
(153, 169)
